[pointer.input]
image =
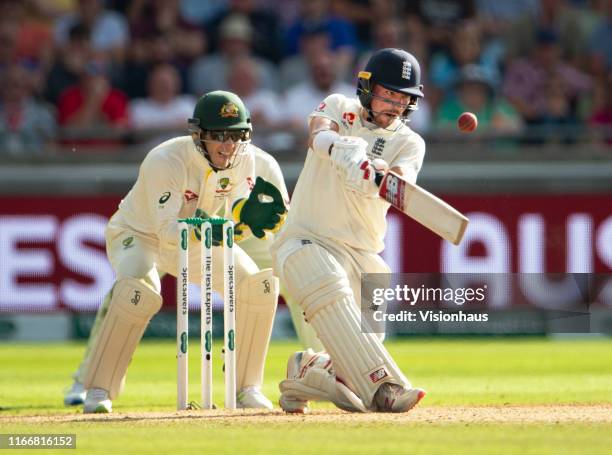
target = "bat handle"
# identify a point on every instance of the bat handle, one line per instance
(379, 178)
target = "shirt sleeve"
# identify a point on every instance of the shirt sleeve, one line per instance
(164, 182)
(410, 158)
(330, 107)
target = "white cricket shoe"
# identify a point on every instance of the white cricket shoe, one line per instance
(252, 398)
(293, 401)
(75, 395)
(395, 398)
(97, 402)
(310, 376)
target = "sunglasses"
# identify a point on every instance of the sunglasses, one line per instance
(227, 135)
(402, 105)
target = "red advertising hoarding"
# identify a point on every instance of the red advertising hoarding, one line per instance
(52, 248)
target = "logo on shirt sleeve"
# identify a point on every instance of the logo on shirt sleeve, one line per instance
(348, 118)
(190, 195)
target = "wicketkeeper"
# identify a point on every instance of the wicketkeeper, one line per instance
(200, 174)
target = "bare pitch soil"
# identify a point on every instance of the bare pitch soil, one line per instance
(438, 414)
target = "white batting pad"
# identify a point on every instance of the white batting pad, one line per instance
(132, 306)
(256, 305)
(320, 285)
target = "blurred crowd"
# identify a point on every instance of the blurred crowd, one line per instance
(95, 72)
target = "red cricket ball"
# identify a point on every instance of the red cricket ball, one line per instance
(467, 122)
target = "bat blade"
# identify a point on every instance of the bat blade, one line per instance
(425, 208)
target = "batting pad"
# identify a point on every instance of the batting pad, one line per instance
(133, 304)
(255, 308)
(321, 287)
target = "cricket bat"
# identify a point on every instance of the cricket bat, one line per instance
(423, 207)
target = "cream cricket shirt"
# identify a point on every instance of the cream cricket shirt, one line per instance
(174, 179)
(323, 208)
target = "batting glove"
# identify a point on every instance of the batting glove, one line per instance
(347, 152)
(361, 177)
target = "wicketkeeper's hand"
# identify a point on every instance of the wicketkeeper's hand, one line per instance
(362, 176)
(263, 211)
(347, 152)
(217, 229)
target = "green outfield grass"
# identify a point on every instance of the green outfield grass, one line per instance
(475, 372)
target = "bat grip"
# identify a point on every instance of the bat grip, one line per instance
(379, 178)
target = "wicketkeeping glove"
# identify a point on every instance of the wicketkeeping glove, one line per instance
(217, 229)
(264, 209)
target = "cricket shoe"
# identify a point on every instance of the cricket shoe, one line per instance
(292, 399)
(310, 377)
(75, 395)
(97, 402)
(395, 398)
(252, 398)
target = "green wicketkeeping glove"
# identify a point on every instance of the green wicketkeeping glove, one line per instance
(264, 209)
(217, 229)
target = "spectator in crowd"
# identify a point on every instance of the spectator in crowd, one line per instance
(267, 39)
(8, 54)
(164, 108)
(26, 125)
(366, 15)
(531, 82)
(556, 15)
(294, 70)
(263, 104)
(32, 35)
(475, 92)
(466, 48)
(70, 63)
(109, 30)
(497, 17)
(163, 18)
(199, 12)
(322, 82)
(439, 18)
(316, 14)
(387, 33)
(601, 118)
(95, 106)
(600, 46)
(159, 34)
(210, 72)
(287, 11)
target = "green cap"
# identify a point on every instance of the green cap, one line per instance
(221, 110)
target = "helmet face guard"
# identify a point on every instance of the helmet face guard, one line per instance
(393, 69)
(240, 137)
(220, 117)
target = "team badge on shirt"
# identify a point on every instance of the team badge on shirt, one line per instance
(224, 185)
(377, 148)
(229, 110)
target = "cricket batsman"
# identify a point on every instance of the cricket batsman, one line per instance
(196, 175)
(335, 231)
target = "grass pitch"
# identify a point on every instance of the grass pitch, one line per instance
(484, 395)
